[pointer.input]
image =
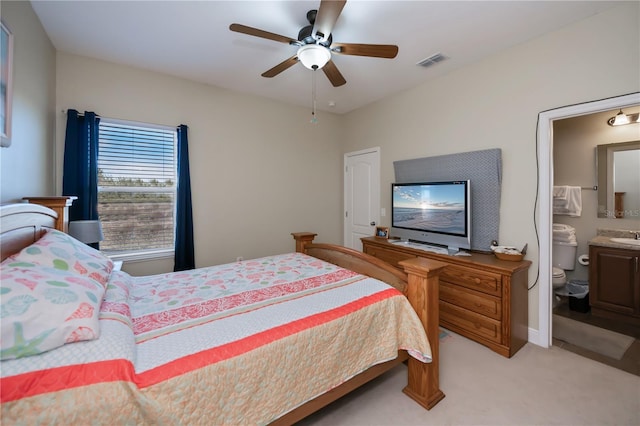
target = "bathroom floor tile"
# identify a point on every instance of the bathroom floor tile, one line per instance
(630, 362)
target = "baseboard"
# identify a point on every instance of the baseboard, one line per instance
(534, 337)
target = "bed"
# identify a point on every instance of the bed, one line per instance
(263, 341)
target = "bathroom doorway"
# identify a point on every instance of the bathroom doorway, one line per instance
(546, 182)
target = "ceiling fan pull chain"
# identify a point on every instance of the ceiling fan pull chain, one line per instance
(314, 119)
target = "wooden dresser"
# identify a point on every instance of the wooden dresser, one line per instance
(481, 297)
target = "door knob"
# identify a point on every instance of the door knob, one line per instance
(372, 224)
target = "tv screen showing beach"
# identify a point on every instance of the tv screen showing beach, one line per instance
(430, 207)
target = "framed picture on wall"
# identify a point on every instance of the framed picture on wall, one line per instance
(6, 85)
(382, 232)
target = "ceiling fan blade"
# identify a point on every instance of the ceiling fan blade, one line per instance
(388, 51)
(328, 14)
(282, 66)
(239, 28)
(332, 73)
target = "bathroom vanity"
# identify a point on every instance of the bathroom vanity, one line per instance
(614, 276)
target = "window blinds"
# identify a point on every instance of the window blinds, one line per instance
(143, 155)
(136, 187)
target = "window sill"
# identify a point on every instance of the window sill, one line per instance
(142, 256)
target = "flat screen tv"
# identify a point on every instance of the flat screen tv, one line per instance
(436, 213)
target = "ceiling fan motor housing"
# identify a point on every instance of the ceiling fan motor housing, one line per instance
(305, 36)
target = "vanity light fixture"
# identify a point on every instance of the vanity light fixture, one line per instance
(620, 119)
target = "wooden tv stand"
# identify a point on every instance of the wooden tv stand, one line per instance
(481, 297)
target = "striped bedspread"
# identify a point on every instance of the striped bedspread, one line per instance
(242, 343)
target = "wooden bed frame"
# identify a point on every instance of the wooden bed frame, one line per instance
(23, 224)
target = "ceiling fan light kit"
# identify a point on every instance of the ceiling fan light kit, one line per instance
(314, 56)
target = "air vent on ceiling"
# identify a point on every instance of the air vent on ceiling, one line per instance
(432, 60)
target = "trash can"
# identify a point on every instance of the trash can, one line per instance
(578, 293)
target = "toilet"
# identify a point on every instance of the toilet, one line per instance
(563, 256)
(563, 259)
(558, 278)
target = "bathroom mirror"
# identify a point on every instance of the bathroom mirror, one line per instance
(618, 169)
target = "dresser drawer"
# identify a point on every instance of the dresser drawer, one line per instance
(469, 323)
(389, 256)
(486, 282)
(477, 302)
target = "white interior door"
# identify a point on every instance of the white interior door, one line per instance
(361, 195)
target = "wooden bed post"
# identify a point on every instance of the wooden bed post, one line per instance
(420, 284)
(423, 294)
(302, 239)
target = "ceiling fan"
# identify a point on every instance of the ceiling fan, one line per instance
(315, 43)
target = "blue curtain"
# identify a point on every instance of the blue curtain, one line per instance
(80, 173)
(184, 252)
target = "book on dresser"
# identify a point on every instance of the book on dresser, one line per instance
(481, 297)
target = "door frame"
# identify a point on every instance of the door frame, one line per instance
(344, 186)
(545, 185)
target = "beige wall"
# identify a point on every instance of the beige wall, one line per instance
(255, 164)
(574, 145)
(26, 167)
(495, 104)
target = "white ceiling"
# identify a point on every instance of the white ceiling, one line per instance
(192, 40)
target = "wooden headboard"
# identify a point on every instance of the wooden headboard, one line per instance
(22, 224)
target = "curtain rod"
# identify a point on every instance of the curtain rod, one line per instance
(64, 112)
(131, 122)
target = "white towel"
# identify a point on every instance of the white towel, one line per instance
(561, 193)
(572, 206)
(567, 231)
(559, 227)
(563, 233)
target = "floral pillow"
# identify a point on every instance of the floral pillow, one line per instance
(42, 308)
(61, 251)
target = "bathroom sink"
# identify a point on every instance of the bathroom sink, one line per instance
(630, 241)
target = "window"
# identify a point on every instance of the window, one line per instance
(136, 189)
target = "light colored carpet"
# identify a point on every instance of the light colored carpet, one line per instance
(605, 342)
(537, 386)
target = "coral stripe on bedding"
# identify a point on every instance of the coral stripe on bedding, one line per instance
(249, 343)
(57, 379)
